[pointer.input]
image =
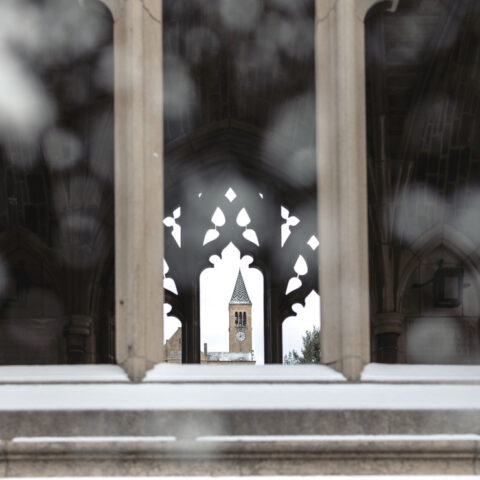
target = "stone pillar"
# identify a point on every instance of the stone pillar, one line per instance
(342, 183)
(387, 327)
(138, 185)
(80, 340)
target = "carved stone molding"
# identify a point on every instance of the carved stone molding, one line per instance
(363, 6)
(388, 322)
(80, 339)
(115, 7)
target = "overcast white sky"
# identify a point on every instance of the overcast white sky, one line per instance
(216, 288)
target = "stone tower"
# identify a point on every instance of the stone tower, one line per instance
(240, 318)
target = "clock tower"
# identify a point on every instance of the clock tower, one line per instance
(240, 318)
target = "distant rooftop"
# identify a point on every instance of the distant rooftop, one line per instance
(240, 294)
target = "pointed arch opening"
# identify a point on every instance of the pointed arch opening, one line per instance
(277, 242)
(301, 333)
(231, 310)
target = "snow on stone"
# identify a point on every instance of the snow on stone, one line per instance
(382, 372)
(91, 439)
(257, 438)
(62, 373)
(239, 396)
(164, 372)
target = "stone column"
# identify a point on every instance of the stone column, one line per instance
(342, 183)
(387, 327)
(80, 339)
(138, 184)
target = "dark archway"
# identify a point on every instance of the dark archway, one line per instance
(56, 180)
(423, 152)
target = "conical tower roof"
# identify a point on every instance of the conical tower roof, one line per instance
(240, 294)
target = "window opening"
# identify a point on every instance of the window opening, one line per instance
(240, 162)
(231, 310)
(231, 220)
(172, 333)
(57, 292)
(301, 332)
(423, 107)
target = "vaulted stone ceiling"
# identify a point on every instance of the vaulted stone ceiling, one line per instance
(423, 102)
(68, 165)
(240, 81)
(423, 68)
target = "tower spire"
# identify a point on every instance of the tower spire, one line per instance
(240, 294)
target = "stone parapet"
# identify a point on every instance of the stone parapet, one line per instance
(389, 454)
(264, 428)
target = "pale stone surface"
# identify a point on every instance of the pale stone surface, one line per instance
(268, 429)
(285, 457)
(139, 186)
(342, 183)
(193, 423)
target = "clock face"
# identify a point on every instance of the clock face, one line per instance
(241, 336)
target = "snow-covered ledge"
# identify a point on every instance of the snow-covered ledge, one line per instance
(169, 373)
(232, 422)
(212, 374)
(62, 374)
(241, 374)
(278, 398)
(382, 372)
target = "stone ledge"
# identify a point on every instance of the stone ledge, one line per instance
(239, 429)
(454, 455)
(189, 424)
